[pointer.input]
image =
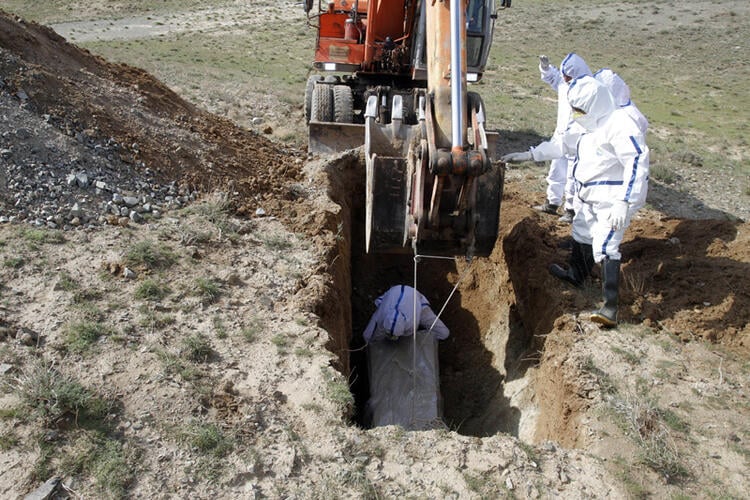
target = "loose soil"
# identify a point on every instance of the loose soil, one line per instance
(539, 402)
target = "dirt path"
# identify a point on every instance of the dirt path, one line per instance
(249, 15)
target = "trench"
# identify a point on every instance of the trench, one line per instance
(494, 317)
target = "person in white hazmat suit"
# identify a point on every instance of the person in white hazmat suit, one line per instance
(394, 316)
(611, 171)
(621, 92)
(559, 183)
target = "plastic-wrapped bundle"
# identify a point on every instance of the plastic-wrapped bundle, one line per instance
(396, 397)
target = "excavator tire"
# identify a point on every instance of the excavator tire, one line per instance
(308, 94)
(322, 103)
(343, 104)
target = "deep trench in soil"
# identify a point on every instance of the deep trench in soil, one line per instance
(485, 353)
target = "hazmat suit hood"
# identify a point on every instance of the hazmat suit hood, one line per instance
(593, 98)
(574, 66)
(616, 85)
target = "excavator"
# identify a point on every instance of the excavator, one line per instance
(392, 76)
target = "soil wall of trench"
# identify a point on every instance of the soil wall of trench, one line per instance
(491, 370)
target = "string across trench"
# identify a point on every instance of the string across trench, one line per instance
(417, 258)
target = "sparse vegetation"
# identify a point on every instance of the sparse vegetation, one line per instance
(632, 477)
(259, 416)
(252, 329)
(338, 392)
(606, 383)
(648, 428)
(54, 396)
(216, 211)
(663, 174)
(81, 335)
(207, 289)
(14, 262)
(175, 365)
(219, 328)
(484, 485)
(303, 352)
(8, 439)
(42, 236)
(281, 342)
(111, 468)
(150, 255)
(630, 357)
(66, 282)
(87, 295)
(196, 347)
(154, 319)
(674, 421)
(149, 289)
(276, 243)
(206, 438)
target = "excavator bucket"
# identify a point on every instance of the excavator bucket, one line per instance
(330, 137)
(404, 202)
(387, 181)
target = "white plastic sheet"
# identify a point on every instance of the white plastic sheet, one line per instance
(396, 397)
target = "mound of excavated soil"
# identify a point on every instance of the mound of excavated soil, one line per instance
(154, 127)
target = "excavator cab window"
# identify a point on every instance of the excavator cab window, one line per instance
(476, 27)
(475, 16)
(479, 27)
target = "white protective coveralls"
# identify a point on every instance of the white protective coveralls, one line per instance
(394, 316)
(559, 183)
(621, 92)
(610, 169)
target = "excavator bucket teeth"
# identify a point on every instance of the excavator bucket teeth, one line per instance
(330, 137)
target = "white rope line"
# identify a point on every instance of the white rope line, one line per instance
(414, 326)
(414, 345)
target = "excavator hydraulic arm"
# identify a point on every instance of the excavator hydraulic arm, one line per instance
(443, 186)
(431, 183)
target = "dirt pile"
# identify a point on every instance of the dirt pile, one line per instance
(151, 127)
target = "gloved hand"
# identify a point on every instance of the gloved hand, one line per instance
(517, 157)
(544, 62)
(618, 214)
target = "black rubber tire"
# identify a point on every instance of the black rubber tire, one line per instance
(322, 103)
(308, 94)
(343, 104)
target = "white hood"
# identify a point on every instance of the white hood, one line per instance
(574, 66)
(592, 97)
(616, 85)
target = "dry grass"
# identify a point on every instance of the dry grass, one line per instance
(646, 424)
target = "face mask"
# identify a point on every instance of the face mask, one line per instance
(584, 120)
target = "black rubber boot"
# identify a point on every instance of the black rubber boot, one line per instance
(579, 266)
(607, 314)
(588, 259)
(547, 208)
(567, 217)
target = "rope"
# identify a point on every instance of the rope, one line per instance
(417, 257)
